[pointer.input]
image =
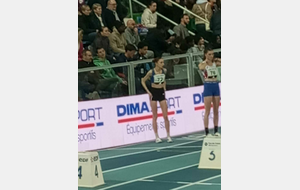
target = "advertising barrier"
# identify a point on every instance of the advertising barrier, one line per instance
(126, 120)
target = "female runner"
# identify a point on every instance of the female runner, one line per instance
(211, 92)
(157, 93)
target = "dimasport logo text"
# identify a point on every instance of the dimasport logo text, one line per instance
(142, 111)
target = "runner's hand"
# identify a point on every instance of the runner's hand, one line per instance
(150, 95)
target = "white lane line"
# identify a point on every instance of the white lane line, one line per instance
(197, 182)
(179, 182)
(158, 148)
(159, 181)
(147, 162)
(162, 173)
(148, 180)
(142, 148)
(124, 146)
(207, 184)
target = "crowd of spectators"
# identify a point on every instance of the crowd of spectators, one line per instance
(106, 36)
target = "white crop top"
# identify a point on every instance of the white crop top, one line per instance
(158, 78)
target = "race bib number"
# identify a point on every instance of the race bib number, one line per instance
(212, 72)
(159, 78)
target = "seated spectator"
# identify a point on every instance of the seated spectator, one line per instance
(96, 18)
(201, 45)
(108, 74)
(183, 48)
(158, 41)
(178, 11)
(142, 69)
(165, 7)
(84, 24)
(180, 29)
(212, 4)
(192, 48)
(102, 84)
(128, 55)
(122, 9)
(142, 51)
(86, 90)
(80, 45)
(86, 86)
(174, 46)
(102, 40)
(110, 14)
(80, 3)
(189, 5)
(215, 22)
(217, 43)
(132, 37)
(125, 57)
(203, 9)
(95, 21)
(217, 5)
(92, 2)
(149, 54)
(131, 33)
(169, 10)
(149, 16)
(116, 38)
(87, 60)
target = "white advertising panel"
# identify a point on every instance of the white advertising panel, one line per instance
(125, 120)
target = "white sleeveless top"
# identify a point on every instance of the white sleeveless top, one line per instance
(210, 71)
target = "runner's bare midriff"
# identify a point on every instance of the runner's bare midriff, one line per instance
(153, 85)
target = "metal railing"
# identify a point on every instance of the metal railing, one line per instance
(131, 74)
(188, 11)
